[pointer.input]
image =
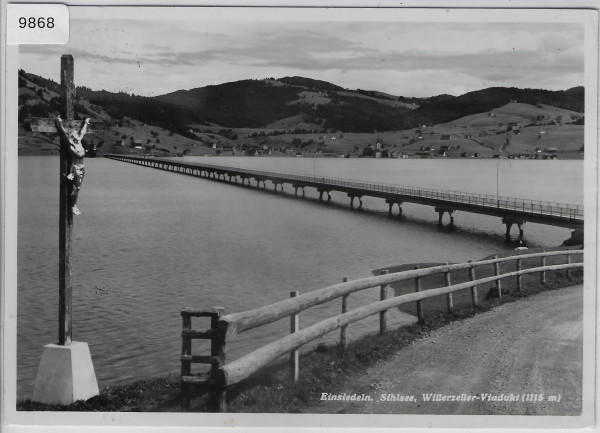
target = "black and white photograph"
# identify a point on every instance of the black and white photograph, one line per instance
(299, 217)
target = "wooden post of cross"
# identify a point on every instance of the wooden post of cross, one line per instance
(65, 216)
(66, 373)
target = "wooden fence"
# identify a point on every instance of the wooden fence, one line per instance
(222, 375)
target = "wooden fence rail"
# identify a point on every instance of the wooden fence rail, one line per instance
(236, 323)
(224, 375)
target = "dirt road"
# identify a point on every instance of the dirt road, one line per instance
(513, 354)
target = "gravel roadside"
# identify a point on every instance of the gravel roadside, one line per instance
(522, 358)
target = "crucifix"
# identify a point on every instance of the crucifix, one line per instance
(66, 373)
(72, 151)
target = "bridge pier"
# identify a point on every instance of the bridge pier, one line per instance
(321, 191)
(440, 210)
(296, 187)
(391, 203)
(275, 186)
(352, 197)
(508, 222)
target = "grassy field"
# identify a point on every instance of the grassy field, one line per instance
(326, 367)
(164, 141)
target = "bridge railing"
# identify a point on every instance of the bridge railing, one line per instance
(450, 196)
(224, 375)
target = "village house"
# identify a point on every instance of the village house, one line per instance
(443, 150)
(137, 144)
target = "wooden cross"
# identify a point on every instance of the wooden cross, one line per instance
(65, 289)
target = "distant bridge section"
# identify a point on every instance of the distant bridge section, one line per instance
(511, 210)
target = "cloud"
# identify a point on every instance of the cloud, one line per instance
(165, 53)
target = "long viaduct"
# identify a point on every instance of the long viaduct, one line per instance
(512, 211)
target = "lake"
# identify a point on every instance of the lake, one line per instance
(151, 242)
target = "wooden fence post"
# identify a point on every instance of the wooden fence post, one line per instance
(519, 277)
(186, 366)
(420, 313)
(543, 273)
(217, 353)
(294, 358)
(382, 315)
(344, 329)
(497, 273)
(474, 288)
(216, 359)
(449, 300)
(569, 269)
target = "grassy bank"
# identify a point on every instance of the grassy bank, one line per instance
(324, 368)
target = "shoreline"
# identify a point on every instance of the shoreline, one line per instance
(570, 157)
(325, 367)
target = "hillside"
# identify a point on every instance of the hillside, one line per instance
(325, 106)
(297, 115)
(258, 103)
(444, 109)
(39, 97)
(515, 128)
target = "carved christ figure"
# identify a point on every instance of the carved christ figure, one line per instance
(72, 144)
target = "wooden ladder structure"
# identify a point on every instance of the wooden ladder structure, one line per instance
(216, 358)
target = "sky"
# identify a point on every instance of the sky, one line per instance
(156, 51)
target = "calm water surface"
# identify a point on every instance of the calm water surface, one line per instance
(151, 242)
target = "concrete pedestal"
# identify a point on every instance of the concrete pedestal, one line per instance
(65, 374)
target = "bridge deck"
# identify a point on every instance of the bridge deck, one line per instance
(513, 210)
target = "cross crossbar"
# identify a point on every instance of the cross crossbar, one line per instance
(46, 124)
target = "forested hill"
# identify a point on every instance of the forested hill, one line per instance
(260, 103)
(445, 108)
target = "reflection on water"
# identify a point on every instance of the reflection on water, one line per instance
(151, 242)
